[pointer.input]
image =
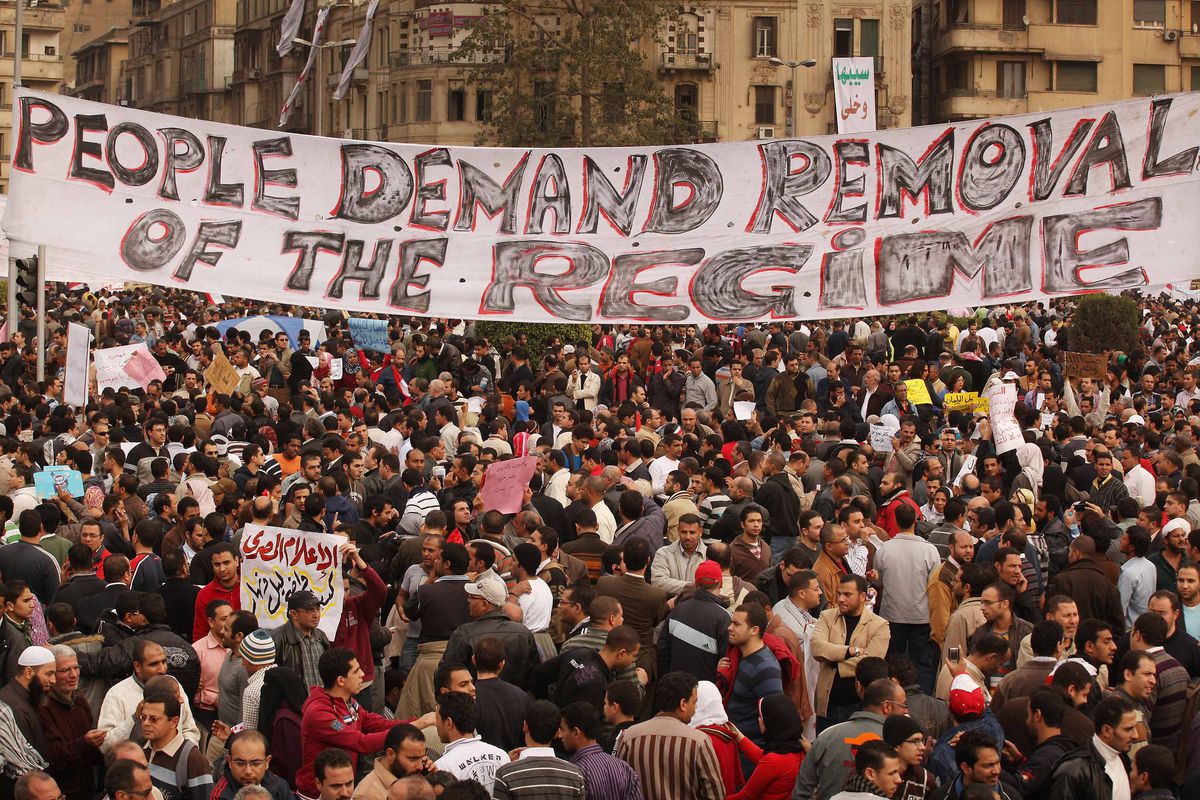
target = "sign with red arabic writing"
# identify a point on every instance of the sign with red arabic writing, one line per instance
(276, 562)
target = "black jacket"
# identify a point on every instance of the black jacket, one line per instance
(520, 650)
(577, 674)
(1082, 777)
(88, 609)
(695, 636)
(78, 587)
(116, 662)
(1037, 773)
(1092, 591)
(502, 710)
(778, 497)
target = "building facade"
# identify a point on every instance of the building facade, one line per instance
(98, 67)
(985, 58)
(41, 62)
(87, 21)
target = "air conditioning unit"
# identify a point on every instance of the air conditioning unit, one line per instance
(766, 133)
(1170, 36)
(253, 74)
(50, 51)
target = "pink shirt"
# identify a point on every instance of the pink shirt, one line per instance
(212, 654)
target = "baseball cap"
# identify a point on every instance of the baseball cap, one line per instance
(302, 599)
(708, 573)
(489, 588)
(966, 697)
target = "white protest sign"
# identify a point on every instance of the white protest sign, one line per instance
(657, 234)
(1006, 431)
(743, 409)
(75, 382)
(335, 369)
(131, 365)
(279, 561)
(854, 94)
(968, 465)
(881, 438)
(474, 405)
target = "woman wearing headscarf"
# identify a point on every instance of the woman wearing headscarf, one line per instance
(727, 741)
(1029, 457)
(778, 763)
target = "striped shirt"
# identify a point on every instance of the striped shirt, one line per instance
(672, 760)
(711, 509)
(190, 781)
(606, 777)
(1168, 700)
(538, 775)
(758, 675)
(17, 755)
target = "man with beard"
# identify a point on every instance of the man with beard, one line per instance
(73, 746)
(24, 693)
(249, 764)
(403, 755)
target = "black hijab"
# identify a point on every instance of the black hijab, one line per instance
(782, 723)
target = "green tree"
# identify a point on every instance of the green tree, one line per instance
(573, 73)
(537, 333)
(1104, 322)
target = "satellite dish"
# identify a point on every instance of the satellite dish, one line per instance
(1025, 21)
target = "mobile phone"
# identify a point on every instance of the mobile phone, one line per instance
(955, 654)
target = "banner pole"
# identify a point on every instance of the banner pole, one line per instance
(41, 312)
(14, 316)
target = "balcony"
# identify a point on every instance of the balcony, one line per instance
(697, 62)
(978, 104)
(703, 131)
(981, 37)
(420, 56)
(1066, 42)
(1189, 45)
(360, 77)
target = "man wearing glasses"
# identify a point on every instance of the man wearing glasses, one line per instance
(179, 769)
(249, 765)
(73, 744)
(905, 734)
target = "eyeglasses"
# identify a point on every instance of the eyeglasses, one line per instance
(917, 739)
(244, 764)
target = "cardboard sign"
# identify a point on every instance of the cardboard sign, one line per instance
(505, 483)
(276, 562)
(1085, 365)
(221, 375)
(960, 401)
(918, 392)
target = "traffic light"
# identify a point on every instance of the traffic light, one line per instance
(27, 282)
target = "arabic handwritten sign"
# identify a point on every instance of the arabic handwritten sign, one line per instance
(960, 401)
(1006, 431)
(221, 374)
(1085, 365)
(854, 94)
(276, 562)
(370, 334)
(505, 482)
(130, 365)
(918, 392)
(881, 438)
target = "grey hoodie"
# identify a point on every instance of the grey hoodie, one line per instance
(831, 760)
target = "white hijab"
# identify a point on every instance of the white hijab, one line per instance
(709, 708)
(1029, 456)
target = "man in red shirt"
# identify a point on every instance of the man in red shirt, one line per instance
(331, 717)
(225, 585)
(358, 609)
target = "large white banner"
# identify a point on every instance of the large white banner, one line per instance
(974, 213)
(854, 94)
(277, 562)
(131, 365)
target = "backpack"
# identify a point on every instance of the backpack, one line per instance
(181, 770)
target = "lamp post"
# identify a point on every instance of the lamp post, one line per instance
(775, 61)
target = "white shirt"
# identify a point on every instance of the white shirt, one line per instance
(802, 624)
(660, 468)
(473, 759)
(1140, 484)
(606, 520)
(537, 605)
(556, 486)
(1114, 768)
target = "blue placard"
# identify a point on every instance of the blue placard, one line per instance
(46, 482)
(370, 334)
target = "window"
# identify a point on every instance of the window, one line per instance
(843, 38)
(1149, 79)
(764, 105)
(764, 37)
(958, 76)
(1195, 79)
(868, 30)
(687, 35)
(4, 93)
(957, 12)
(4, 43)
(1075, 12)
(544, 109)
(612, 102)
(456, 105)
(424, 101)
(1014, 15)
(1149, 13)
(1195, 16)
(1075, 76)
(483, 105)
(1010, 79)
(402, 115)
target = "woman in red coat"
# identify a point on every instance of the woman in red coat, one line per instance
(774, 777)
(727, 741)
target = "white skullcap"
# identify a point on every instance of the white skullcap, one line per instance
(35, 656)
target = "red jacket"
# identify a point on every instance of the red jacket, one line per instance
(354, 629)
(726, 745)
(887, 514)
(209, 592)
(327, 721)
(773, 779)
(791, 671)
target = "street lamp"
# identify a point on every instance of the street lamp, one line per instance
(776, 61)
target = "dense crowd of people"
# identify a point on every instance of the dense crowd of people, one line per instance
(761, 561)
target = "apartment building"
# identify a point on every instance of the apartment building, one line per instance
(41, 62)
(985, 58)
(87, 21)
(98, 67)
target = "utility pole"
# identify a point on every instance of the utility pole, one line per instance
(792, 65)
(14, 316)
(41, 308)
